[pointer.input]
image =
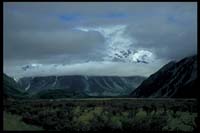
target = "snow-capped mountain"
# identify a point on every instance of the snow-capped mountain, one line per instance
(140, 56)
(119, 45)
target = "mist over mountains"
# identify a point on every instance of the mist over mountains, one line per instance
(113, 39)
(173, 80)
(108, 45)
(100, 66)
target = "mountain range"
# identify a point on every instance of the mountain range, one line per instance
(173, 80)
(89, 85)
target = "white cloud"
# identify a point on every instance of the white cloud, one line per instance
(104, 68)
(119, 43)
(36, 33)
(143, 55)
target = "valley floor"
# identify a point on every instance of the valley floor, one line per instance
(97, 114)
(14, 123)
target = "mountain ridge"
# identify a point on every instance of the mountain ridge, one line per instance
(91, 85)
(11, 89)
(171, 80)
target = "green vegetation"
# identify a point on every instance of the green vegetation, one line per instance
(108, 114)
(13, 122)
(183, 121)
(58, 93)
(11, 89)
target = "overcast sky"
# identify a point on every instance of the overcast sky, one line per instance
(121, 39)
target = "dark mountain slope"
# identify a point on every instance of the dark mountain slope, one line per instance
(175, 79)
(89, 85)
(11, 89)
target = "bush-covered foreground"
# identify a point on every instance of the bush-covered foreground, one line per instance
(13, 122)
(111, 114)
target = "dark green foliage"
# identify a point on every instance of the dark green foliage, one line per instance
(58, 93)
(100, 115)
(14, 123)
(11, 89)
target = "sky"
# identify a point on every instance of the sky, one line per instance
(99, 38)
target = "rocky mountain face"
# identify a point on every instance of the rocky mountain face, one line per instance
(11, 89)
(175, 79)
(89, 85)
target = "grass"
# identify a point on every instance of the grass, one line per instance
(98, 114)
(13, 122)
(183, 121)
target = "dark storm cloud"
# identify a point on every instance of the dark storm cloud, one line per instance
(38, 44)
(172, 34)
(46, 33)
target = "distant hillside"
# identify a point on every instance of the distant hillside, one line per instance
(175, 79)
(11, 89)
(58, 93)
(86, 85)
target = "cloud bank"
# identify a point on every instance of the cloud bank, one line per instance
(126, 38)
